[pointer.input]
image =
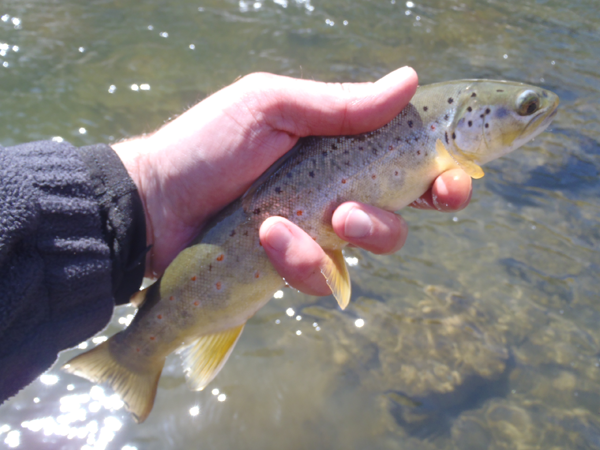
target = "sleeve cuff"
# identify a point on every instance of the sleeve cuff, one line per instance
(122, 216)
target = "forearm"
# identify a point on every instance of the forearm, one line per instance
(69, 246)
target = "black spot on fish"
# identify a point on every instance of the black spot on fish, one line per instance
(361, 148)
(446, 135)
(347, 163)
(499, 90)
(346, 152)
(470, 123)
(469, 109)
(311, 174)
(416, 138)
(278, 190)
(209, 267)
(425, 108)
(482, 116)
(487, 110)
(325, 153)
(453, 135)
(289, 175)
(257, 211)
(333, 147)
(245, 233)
(450, 100)
(374, 150)
(487, 125)
(446, 117)
(361, 137)
(418, 152)
(338, 140)
(232, 234)
(410, 124)
(474, 94)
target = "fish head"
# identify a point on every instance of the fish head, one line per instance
(494, 118)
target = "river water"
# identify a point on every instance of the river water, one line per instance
(482, 333)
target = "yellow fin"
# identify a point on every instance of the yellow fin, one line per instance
(472, 169)
(338, 279)
(137, 388)
(205, 357)
(138, 298)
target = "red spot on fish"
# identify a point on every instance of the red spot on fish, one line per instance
(137, 350)
(193, 278)
(159, 316)
(433, 127)
(391, 148)
(257, 275)
(396, 173)
(343, 181)
(218, 285)
(299, 213)
(373, 176)
(152, 338)
(220, 257)
(171, 298)
(196, 303)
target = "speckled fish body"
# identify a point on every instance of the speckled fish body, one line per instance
(214, 286)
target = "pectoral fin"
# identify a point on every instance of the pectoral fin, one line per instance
(336, 274)
(205, 357)
(472, 169)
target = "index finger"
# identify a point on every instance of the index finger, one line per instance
(451, 191)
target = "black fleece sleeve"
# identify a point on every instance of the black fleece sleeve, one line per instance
(72, 243)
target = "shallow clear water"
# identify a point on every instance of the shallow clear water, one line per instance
(482, 333)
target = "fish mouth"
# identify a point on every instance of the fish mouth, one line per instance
(539, 122)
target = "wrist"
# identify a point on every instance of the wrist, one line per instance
(133, 156)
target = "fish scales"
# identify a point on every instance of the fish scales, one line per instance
(215, 285)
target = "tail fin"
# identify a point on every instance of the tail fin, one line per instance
(137, 389)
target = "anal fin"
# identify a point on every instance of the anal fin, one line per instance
(206, 356)
(336, 274)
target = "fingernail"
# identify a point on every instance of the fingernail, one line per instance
(442, 189)
(441, 186)
(279, 237)
(358, 224)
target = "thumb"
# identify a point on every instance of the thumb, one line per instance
(306, 107)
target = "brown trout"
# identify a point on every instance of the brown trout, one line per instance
(202, 302)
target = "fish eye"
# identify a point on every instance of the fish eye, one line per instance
(528, 103)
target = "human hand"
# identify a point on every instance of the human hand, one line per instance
(197, 164)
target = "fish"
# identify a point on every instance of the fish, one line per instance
(207, 294)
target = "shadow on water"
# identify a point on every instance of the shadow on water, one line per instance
(433, 416)
(548, 286)
(575, 173)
